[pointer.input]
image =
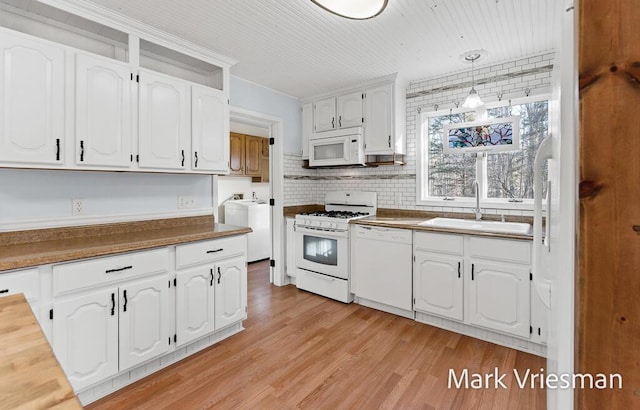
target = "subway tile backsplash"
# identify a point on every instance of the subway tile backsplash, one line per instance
(396, 185)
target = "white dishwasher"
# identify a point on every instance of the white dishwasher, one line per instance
(383, 266)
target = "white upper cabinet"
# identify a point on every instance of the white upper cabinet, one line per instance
(307, 128)
(209, 129)
(32, 100)
(379, 120)
(162, 121)
(349, 110)
(324, 115)
(103, 112)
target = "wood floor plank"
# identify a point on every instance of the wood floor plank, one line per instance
(300, 350)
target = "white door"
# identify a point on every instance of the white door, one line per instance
(209, 129)
(103, 112)
(144, 310)
(350, 110)
(163, 115)
(194, 304)
(85, 336)
(499, 297)
(378, 120)
(230, 292)
(31, 100)
(324, 115)
(438, 284)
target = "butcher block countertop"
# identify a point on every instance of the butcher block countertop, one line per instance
(20, 249)
(30, 376)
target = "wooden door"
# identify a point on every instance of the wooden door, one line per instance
(103, 112)
(230, 292)
(209, 129)
(236, 154)
(253, 156)
(194, 304)
(438, 284)
(85, 336)
(32, 100)
(144, 310)
(607, 282)
(163, 115)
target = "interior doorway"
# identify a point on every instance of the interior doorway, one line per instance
(226, 188)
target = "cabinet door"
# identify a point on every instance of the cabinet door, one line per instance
(144, 320)
(252, 156)
(209, 129)
(438, 284)
(324, 115)
(194, 304)
(307, 128)
(103, 112)
(230, 292)
(378, 120)
(163, 114)
(350, 110)
(290, 251)
(31, 100)
(85, 336)
(499, 297)
(236, 153)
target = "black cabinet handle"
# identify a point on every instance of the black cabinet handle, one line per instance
(389, 141)
(211, 272)
(333, 122)
(81, 151)
(183, 158)
(124, 295)
(219, 275)
(57, 149)
(472, 270)
(195, 165)
(458, 269)
(340, 121)
(113, 303)
(118, 269)
(215, 250)
(4, 291)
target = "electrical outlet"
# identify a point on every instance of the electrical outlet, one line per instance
(186, 201)
(77, 206)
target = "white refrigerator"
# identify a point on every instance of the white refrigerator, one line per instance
(554, 253)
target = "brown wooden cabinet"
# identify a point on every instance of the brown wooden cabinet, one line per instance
(247, 156)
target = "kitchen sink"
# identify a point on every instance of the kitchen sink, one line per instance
(473, 225)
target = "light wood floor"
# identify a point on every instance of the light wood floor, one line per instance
(301, 350)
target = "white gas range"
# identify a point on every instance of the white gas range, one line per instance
(322, 243)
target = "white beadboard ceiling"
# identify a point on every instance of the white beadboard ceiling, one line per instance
(295, 47)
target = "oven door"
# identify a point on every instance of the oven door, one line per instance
(323, 251)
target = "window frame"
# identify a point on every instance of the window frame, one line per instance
(422, 163)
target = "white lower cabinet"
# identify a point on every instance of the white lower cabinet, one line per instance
(480, 281)
(213, 295)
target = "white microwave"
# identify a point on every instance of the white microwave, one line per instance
(338, 147)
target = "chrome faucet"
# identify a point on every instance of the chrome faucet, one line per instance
(476, 187)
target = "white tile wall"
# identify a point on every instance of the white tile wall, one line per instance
(391, 181)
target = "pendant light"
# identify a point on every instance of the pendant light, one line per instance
(473, 99)
(353, 9)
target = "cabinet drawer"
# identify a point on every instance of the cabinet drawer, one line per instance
(96, 272)
(24, 281)
(208, 251)
(500, 250)
(438, 242)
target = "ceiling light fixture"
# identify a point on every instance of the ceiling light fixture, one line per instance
(353, 9)
(473, 99)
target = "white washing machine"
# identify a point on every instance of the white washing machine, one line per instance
(255, 215)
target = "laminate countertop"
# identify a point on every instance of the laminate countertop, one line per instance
(22, 249)
(30, 375)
